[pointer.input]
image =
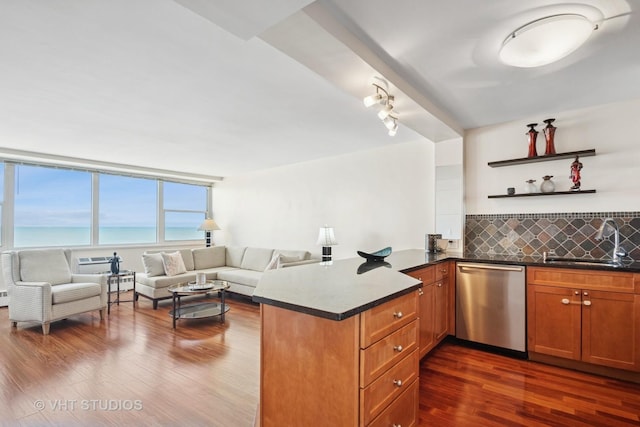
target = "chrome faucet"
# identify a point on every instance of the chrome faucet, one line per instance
(618, 252)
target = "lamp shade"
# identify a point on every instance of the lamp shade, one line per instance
(545, 40)
(208, 225)
(326, 237)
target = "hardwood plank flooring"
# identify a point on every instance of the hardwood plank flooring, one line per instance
(134, 369)
(462, 386)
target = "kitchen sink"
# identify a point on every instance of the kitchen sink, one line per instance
(582, 261)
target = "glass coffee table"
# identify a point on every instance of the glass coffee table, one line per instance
(201, 309)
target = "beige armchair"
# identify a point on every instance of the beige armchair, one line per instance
(42, 289)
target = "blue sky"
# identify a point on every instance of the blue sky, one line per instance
(62, 198)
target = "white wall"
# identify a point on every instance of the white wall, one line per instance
(611, 129)
(373, 199)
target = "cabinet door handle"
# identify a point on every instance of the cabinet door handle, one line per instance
(586, 294)
(397, 315)
(566, 301)
(587, 303)
(398, 383)
(576, 292)
(439, 285)
(420, 292)
(397, 425)
(397, 348)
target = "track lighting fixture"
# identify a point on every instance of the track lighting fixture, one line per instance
(383, 100)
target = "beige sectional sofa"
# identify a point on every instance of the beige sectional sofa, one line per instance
(242, 267)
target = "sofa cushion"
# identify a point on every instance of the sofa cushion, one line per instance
(210, 257)
(187, 258)
(152, 263)
(290, 254)
(278, 260)
(165, 281)
(234, 256)
(44, 265)
(256, 259)
(244, 277)
(74, 291)
(173, 263)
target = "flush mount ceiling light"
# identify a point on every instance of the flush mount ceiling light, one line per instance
(546, 40)
(384, 101)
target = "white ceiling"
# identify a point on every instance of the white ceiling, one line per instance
(202, 86)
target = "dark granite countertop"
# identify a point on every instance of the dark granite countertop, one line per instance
(347, 287)
(406, 258)
(334, 290)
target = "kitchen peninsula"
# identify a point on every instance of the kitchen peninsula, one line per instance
(338, 345)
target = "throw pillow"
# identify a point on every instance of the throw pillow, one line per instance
(173, 263)
(153, 264)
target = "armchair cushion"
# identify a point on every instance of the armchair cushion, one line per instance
(74, 291)
(48, 265)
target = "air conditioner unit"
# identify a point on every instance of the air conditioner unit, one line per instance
(98, 264)
(102, 264)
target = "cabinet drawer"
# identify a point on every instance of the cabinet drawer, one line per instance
(596, 280)
(441, 270)
(402, 412)
(380, 393)
(379, 357)
(425, 275)
(380, 321)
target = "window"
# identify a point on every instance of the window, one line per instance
(185, 207)
(1, 198)
(127, 210)
(52, 207)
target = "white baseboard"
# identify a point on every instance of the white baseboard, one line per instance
(4, 299)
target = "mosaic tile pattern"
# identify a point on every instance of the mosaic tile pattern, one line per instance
(568, 234)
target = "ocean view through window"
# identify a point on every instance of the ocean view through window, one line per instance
(52, 207)
(61, 206)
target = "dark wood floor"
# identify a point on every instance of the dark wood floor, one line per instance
(134, 369)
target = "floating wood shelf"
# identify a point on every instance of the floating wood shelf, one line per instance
(558, 156)
(555, 193)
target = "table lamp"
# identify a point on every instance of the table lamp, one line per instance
(326, 238)
(208, 225)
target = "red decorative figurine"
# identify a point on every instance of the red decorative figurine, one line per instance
(533, 135)
(549, 132)
(576, 167)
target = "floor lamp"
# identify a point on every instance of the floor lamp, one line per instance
(208, 225)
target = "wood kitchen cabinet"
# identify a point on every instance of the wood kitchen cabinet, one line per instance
(359, 371)
(589, 316)
(441, 302)
(434, 305)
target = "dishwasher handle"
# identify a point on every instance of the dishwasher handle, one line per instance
(517, 268)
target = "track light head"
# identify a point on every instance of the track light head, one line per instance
(390, 122)
(386, 110)
(380, 97)
(372, 100)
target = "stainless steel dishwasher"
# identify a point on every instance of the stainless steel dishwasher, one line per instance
(490, 304)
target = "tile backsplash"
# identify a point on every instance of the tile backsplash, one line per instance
(566, 234)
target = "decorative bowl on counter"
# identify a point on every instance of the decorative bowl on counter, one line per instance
(377, 255)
